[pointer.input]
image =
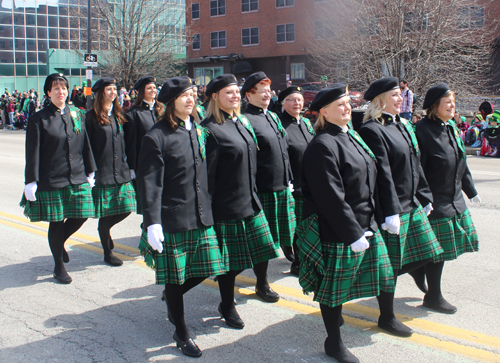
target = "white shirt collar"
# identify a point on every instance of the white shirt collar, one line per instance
(390, 114)
(151, 104)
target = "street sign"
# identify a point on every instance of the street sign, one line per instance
(88, 73)
(90, 60)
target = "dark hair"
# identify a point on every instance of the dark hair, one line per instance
(404, 82)
(169, 116)
(59, 81)
(102, 114)
(159, 107)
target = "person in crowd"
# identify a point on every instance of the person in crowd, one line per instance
(114, 195)
(241, 226)
(300, 132)
(492, 132)
(473, 135)
(416, 118)
(19, 121)
(121, 96)
(140, 118)
(443, 160)
(402, 188)
(10, 109)
(31, 105)
(178, 238)
(343, 256)
(461, 124)
(126, 103)
(274, 173)
(74, 92)
(407, 103)
(59, 171)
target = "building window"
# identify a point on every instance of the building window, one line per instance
(369, 25)
(284, 3)
(195, 11)
(218, 39)
(249, 5)
(217, 7)
(323, 30)
(250, 36)
(415, 22)
(471, 17)
(204, 75)
(196, 42)
(297, 71)
(285, 33)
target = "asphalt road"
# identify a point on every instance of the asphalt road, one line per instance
(114, 314)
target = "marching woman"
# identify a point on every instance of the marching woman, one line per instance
(300, 132)
(241, 226)
(401, 187)
(114, 195)
(445, 167)
(140, 118)
(274, 172)
(59, 171)
(343, 256)
(178, 239)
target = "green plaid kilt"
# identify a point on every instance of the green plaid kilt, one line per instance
(299, 209)
(336, 274)
(185, 255)
(137, 199)
(279, 208)
(72, 201)
(416, 240)
(246, 242)
(113, 199)
(456, 235)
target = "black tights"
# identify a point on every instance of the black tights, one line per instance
(260, 270)
(433, 272)
(331, 319)
(226, 288)
(104, 227)
(58, 233)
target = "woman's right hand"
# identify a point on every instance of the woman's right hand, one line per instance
(30, 190)
(156, 237)
(392, 224)
(360, 245)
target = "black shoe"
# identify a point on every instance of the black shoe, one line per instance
(268, 295)
(395, 327)
(232, 317)
(62, 277)
(188, 347)
(288, 252)
(440, 305)
(295, 269)
(341, 354)
(65, 256)
(419, 278)
(111, 243)
(112, 260)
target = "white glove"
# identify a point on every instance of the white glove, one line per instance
(360, 245)
(132, 173)
(392, 224)
(290, 186)
(30, 190)
(428, 209)
(368, 234)
(156, 237)
(474, 200)
(91, 179)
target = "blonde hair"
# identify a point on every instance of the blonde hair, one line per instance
(432, 110)
(214, 110)
(320, 123)
(375, 108)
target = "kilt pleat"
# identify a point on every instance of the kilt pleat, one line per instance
(456, 235)
(72, 201)
(279, 208)
(113, 199)
(185, 255)
(299, 209)
(245, 242)
(137, 199)
(416, 240)
(342, 275)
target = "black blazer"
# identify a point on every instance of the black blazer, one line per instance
(445, 170)
(172, 180)
(400, 180)
(139, 122)
(232, 170)
(56, 156)
(273, 165)
(338, 184)
(298, 139)
(108, 146)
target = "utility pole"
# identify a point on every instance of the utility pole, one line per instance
(89, 51)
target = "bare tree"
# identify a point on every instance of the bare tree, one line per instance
(138, 37)
(422, 41)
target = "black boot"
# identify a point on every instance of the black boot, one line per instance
(387, 319)
(262, 287)
(227, 307)
(334, 347)
(56, 243)
(105, 224)
(434, 299)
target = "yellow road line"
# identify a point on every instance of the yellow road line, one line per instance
(462, 334)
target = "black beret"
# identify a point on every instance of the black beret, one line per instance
(102, 82)
(144, 81)
(251, 81)
(51, 78)
(434, 94)
(380, 86)
(220, 82)
(328, 95)
(288, 91)
(173, 87)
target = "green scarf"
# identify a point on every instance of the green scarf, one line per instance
(360, 141)
(277, 121)
(308, 125)
(411, 131)
(201, 111)
(458, 138)
(202, 134)
(76, 117)
(246, 123)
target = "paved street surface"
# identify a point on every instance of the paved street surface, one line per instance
(114, 314)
